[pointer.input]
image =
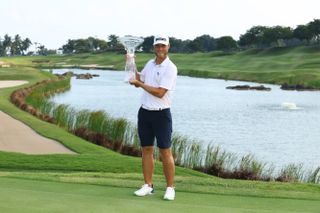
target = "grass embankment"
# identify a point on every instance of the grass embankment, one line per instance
(98, 166)
(121, 136)
(294, 65)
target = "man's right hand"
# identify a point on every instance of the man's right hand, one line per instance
(135, 82)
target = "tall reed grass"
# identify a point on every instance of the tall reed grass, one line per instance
(120, 135)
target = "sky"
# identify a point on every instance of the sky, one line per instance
(53, 22)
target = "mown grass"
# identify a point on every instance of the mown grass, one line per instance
(43, 196)
(183, 183)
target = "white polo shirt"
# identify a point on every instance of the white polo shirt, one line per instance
(159, 75)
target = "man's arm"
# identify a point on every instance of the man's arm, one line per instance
(156, 91)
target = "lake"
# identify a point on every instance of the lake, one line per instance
(278, 126)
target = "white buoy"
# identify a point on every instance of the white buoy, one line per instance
(289, 105)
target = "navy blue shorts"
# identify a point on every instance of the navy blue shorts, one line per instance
(155, 125)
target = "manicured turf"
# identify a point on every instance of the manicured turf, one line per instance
(39, 196)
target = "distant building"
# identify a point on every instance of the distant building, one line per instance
(59, 52)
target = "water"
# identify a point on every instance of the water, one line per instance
(279, 127)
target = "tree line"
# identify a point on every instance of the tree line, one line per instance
(278, 36)
(255, 37)
(17, 46)
(204, 43)
(14, 46)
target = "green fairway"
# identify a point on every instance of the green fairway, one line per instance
(18, 195)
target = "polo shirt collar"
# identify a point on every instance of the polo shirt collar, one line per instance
(165, 62)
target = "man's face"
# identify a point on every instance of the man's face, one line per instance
(161, 50)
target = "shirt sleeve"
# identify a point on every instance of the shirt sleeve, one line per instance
(168, 79)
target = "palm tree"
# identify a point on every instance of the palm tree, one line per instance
(1, 48)
(42, 50)
(113, 41)
(26, 43)
(16, 45)
(6, 44)
(314, 27)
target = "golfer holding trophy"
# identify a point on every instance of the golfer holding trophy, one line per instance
(158, 81)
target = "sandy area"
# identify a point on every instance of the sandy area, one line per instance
(4, 84)
(15, 136)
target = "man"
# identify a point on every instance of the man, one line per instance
(158, 80)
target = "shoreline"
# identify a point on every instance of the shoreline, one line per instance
(267, 66)
(290, 87)
(268, 162)
(88, 144)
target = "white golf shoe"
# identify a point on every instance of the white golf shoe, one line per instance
(144, 190)
(170, 194)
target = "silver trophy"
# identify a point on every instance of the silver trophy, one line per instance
(130, 43)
